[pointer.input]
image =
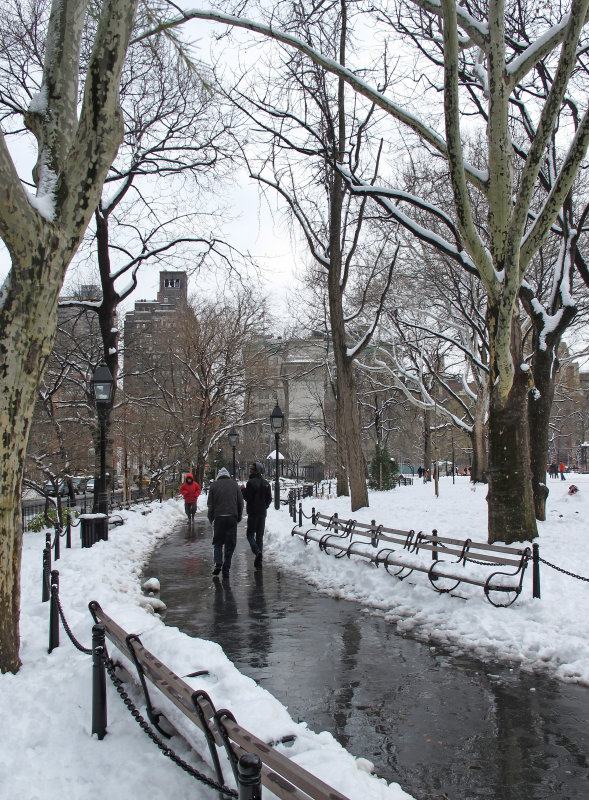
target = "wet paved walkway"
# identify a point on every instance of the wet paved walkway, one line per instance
(444, 727)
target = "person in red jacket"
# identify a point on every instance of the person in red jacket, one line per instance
(190, 491)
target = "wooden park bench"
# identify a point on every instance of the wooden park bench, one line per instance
(286, 779)
(448, 562)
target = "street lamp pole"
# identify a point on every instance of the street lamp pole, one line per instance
(102, 386)
(233, 437)
(277, 426)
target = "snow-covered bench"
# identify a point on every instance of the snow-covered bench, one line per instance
(286, 779)
(448, 562)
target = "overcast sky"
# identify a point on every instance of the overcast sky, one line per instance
(253, 229)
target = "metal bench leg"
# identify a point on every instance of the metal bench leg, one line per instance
(208, 734)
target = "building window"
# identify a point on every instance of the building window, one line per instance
(171, 283)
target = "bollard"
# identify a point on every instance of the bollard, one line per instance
(98, 681)
(56, 553)
(249, 777)
(373, 534)
(300, 515)
(536, 571)
(313, 517)
(46, 570)
(435, 549)
(54, 612)
(68, 534)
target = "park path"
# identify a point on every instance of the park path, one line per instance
(445, 727)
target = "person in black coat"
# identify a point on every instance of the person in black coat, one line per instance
(225, 507)
(258, 496)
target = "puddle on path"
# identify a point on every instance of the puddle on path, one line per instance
(444, 727)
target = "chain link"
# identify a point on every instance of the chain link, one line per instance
(73, 640)
(564, 571)
(167, 751)
(110, 668)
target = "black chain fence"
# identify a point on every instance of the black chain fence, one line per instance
(146, 727)
(564, 571)
(66, 627)
(110, 667)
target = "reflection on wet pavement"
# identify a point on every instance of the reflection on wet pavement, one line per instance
(445, 727)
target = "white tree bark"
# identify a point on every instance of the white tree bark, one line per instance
(42, 234)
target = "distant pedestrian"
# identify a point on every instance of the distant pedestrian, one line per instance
(258, 496)
(553, 470)
(562, 469)
(420, 472)
(225, 509)
(190, 491)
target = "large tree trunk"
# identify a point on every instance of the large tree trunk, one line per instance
(510, 498)
(547, 334)
(343, 488)
(27, 329)
(539, 409)
(352, 436)
(512, 516)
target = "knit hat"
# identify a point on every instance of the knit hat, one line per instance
(259, 467)
(223, 473)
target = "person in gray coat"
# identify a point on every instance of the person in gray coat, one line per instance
(225, 509)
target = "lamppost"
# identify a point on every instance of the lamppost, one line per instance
(277, 426)
(233, 437)
(102, 385)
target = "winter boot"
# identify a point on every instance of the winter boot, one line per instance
(258, 560)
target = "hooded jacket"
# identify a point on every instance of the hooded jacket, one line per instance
(257, 493)
(224, 498)
(190, 491)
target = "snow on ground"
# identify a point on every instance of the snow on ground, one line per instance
(550, 634)
(46, 747)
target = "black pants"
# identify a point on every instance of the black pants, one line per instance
(255, 532)
(224, 541)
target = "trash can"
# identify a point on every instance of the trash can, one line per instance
(93, 528)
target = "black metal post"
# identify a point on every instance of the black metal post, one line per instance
(46, 570)
(54, 612)
(98, 681)
(249, 777)
(56, 545)
(233, 448)
(435, 549)
(300, 515)
(68, 532)
(102, 498)
(277, 481)
(536, 571)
